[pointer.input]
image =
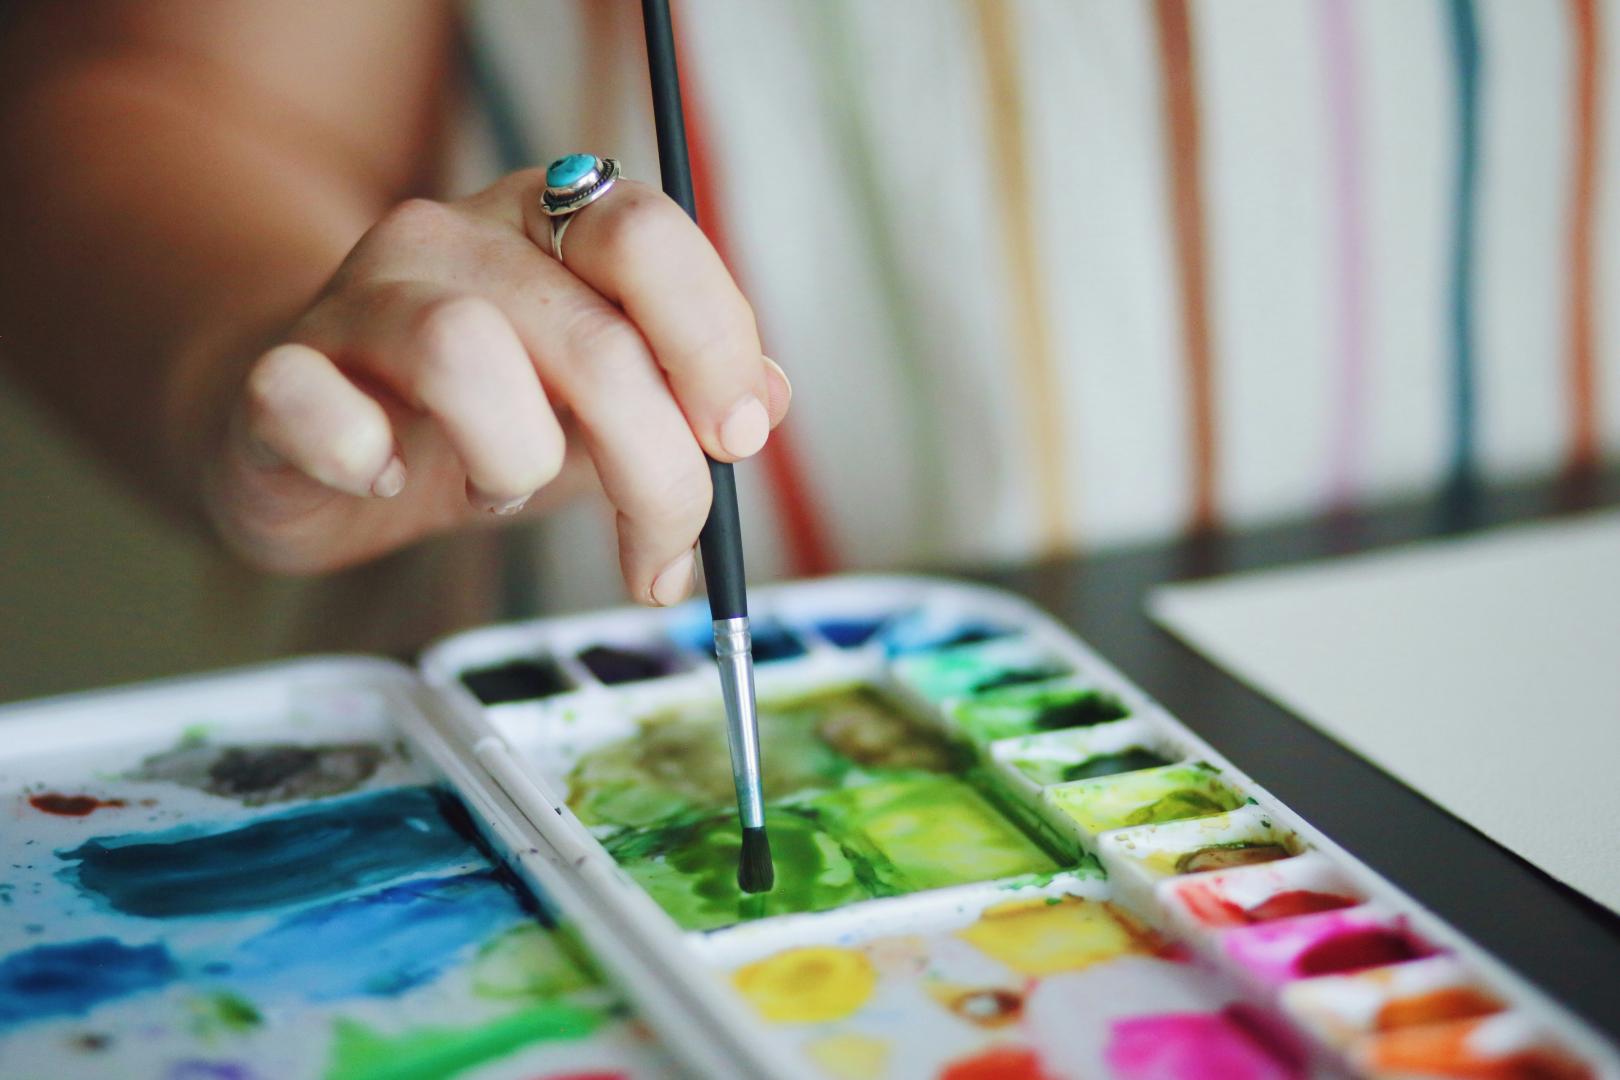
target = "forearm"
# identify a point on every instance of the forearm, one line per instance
(152, 238)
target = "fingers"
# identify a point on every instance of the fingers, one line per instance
(301, 411)
(639, 250)
(458, 359)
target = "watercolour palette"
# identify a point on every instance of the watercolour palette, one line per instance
(995, 858)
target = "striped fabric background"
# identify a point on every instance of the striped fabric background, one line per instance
(1050, 274)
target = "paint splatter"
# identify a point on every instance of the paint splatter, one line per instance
(1035, 938)
(71, 805)
(678, 763)
(818, 984)
(70, 979)
(518, 680)
(377, 944)
(1194, 1046)
(997, 1063)
(266, 773)
(197, 1069)
(615, 664)
(222, 1013)
(1229, 855)
(430, 1053)
(295, 856)
(986, 1007)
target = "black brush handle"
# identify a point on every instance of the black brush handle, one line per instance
(721, 539)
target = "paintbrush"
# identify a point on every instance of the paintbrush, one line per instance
(721, 539)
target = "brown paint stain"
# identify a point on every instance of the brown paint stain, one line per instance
(71, 805)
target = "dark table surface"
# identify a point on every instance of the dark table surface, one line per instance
(1552, 935)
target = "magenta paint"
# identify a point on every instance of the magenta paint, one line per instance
(1195, 1046)
(1331, 943)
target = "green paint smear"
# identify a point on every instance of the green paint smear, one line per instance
(529, 961)
(690, 868)
(1149, 797)
(976, 669)
(884, 839)
(1028, 710)
(221, 1014)
(678, 764)
(430, 1053)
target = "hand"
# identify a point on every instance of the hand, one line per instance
(451, 369)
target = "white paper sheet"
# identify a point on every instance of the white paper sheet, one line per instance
(1484, 672)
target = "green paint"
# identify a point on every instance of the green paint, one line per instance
(432, 1053)
(678, 764)
(1152, 796)
(690, 869)
(1128, 760)
(933, 832)
(223, 1013)
(529, 961)
(1235, 853)
(976, 669)
(1026, 710)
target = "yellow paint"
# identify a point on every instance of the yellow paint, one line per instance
(807, 986)
(1036, 938)
(850, 1057)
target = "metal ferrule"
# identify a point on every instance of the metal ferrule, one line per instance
(733, 649)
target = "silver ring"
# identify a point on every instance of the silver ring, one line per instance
(573, 183)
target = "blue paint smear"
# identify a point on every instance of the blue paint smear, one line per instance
(376, 944)
(920, 631)
(849, 633)
(298, 856)
(71, 978)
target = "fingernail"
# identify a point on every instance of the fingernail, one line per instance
(391, 481)
(674, 582)
(746, 429)
(512, 506)
(787, 383)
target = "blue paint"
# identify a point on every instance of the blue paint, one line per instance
(920, 631)
(298, 856)
(71, 978)
(692, 630)
(849, 633)
(1466, 52)
(378, 943)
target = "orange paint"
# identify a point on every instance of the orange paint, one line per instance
(997, 1063)
(1450, 1050)
(1437, 1006)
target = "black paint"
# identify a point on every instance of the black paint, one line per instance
(518, 680)
(615, 664)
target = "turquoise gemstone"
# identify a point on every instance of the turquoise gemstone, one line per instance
(569, 170)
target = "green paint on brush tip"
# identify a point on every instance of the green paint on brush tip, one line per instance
(690, 869)
(1028, 710)
(431, 1053)
(678, 763)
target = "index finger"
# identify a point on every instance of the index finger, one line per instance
(639, 250)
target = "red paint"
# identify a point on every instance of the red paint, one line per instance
(1355, 950)
(997, 1063)
(1206, 905)
(1285, 905)
(70, 805)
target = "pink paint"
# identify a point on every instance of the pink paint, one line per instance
(1196, 1046)
(1337, 942)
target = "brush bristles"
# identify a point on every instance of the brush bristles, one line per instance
(755, 874)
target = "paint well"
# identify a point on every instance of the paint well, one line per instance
(1028, 710)
(1332, 943)
(258, 774)
(302, 855)
(928, 628)
(615, 664)
(517, 680)
(1150, 797)
(1195, 1046)
(1037, 938)
(968, 670)
(678, 763)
